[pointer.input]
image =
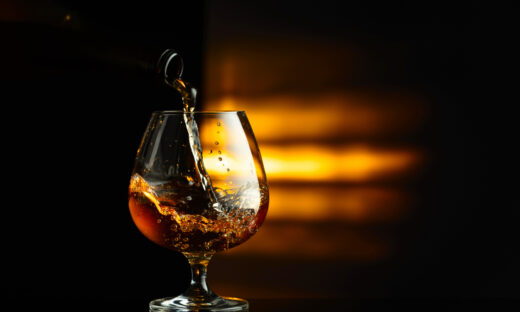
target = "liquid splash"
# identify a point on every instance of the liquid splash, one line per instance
(197, 216)
(189, 100)
(176, 228)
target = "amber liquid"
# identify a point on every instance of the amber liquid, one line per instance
(177, 216)
(196, 217)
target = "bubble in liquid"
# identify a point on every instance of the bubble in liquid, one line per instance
(219, 124)
(159, 220)
(219, 151)
(228, 169)
(220, 158)
(188, 198)
(210, 151)
(216, 142)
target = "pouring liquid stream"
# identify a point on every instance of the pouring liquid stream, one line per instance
(189, 98)
(199, 216)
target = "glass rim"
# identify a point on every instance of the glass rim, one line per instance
(209, 112)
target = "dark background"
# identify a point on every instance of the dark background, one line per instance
(76, 96)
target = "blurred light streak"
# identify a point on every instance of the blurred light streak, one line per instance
(305, 240)
(331, 114)
(315, 163)
(354, 204)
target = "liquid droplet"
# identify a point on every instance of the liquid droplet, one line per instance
(171, 66)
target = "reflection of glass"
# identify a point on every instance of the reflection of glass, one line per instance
(198, 198)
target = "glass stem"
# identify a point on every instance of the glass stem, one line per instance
(199, 290)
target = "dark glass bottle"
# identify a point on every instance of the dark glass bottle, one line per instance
(76, 94)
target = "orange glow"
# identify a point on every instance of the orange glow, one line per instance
(334, 114)
(353, 204)
(320, 137)
(310, 241)
(226, 152)
(316, 163)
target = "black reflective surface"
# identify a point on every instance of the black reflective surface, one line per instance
(140, 304)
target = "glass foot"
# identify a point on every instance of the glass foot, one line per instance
(184, 304)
